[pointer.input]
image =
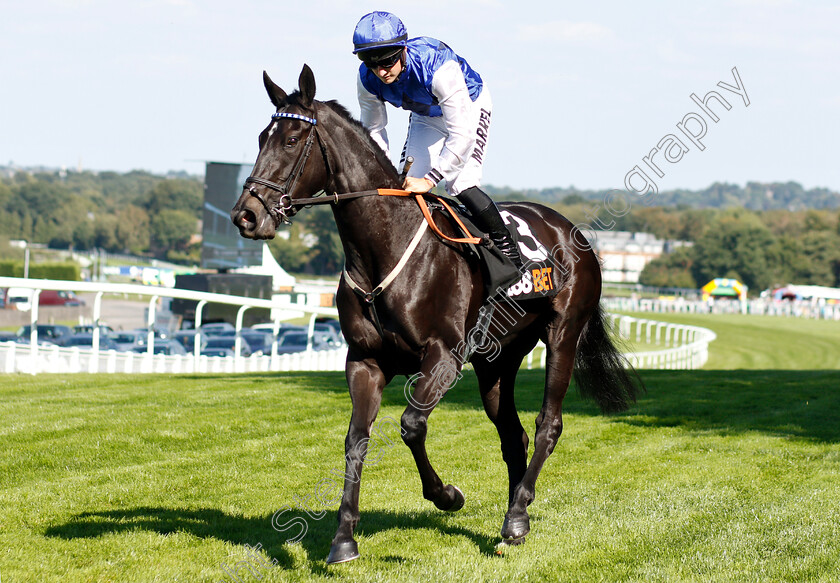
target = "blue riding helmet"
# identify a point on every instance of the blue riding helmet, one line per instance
(379, 30)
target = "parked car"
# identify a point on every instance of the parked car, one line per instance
(88, 328)
(218, 328)
(85, 340)
(20, 298)
(187, 338)
(129, 339)
(260, 342)
(228, 342)
(332, 334)
(160, 333)
(291, 329)
(264, 326)
(41, 342)
(170, 347)
(282, 327)
(297, 342)
(331, 322)
(328, 328)
(219, 352)
(218, 332)
(49, 332)
(51, 297)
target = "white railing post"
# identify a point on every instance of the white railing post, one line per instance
(237, 340)
(97, 311)
(33, 330)
(197, 338)
(150, 323)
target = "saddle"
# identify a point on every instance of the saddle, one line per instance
(537, 279)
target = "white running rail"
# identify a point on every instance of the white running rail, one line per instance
(34, 359)
(684, 347)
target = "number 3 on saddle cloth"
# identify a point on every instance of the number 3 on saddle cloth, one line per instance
(537, 278)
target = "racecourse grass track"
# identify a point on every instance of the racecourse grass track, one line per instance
(724, 474)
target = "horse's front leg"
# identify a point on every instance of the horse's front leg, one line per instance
(439, 370)
(366, 381)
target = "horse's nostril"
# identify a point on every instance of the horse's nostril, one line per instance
(246, 219)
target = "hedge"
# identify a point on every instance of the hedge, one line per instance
(63, 271)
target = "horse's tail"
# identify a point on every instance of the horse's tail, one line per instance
(601, 371)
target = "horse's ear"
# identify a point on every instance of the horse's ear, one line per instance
(306, 82)
(277, 95)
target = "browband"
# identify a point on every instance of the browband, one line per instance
(311, 120)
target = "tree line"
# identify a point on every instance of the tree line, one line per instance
(136, 212)
(762, 249)
(142, 214)
(788, 235)
(757, 196)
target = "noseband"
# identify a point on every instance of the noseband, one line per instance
(284, 208)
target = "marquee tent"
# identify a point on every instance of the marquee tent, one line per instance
(724, 287)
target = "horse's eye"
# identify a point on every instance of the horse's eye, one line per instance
(291, 142)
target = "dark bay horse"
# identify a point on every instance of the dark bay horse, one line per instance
(429, 310)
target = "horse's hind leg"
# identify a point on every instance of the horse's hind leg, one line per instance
(561, 343)
(496, 383)
(438, 371)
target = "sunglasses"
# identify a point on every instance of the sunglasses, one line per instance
(382, 62)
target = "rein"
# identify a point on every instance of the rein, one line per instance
(421, 202)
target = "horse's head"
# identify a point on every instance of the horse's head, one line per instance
(285, 169)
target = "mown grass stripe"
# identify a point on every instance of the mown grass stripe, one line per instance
(715, 475)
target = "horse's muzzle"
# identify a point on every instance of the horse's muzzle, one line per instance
(251, 219)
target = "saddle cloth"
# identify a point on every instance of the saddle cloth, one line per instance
(537, 278)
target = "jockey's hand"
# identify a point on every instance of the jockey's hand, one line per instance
(417, 185)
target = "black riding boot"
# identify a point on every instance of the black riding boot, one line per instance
(486, 217)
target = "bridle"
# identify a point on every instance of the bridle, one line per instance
(287, 207)
(282, 210)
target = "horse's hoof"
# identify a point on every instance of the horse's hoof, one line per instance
(343, 552)
(457, 502)
(516, 528)
(504, 544)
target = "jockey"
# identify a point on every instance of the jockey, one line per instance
(450, 115)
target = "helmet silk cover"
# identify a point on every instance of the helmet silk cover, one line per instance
(379, 30)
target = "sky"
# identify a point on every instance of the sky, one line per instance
(582, 91)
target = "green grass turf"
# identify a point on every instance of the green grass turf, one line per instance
(715, 475)
(764, 342)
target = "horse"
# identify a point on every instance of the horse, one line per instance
(315, 152)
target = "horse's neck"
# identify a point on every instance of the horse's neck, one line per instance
(375, 232)
(373, 229)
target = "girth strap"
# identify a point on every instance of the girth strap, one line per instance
(370, 296)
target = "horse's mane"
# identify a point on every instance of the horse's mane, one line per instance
(364, 135)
